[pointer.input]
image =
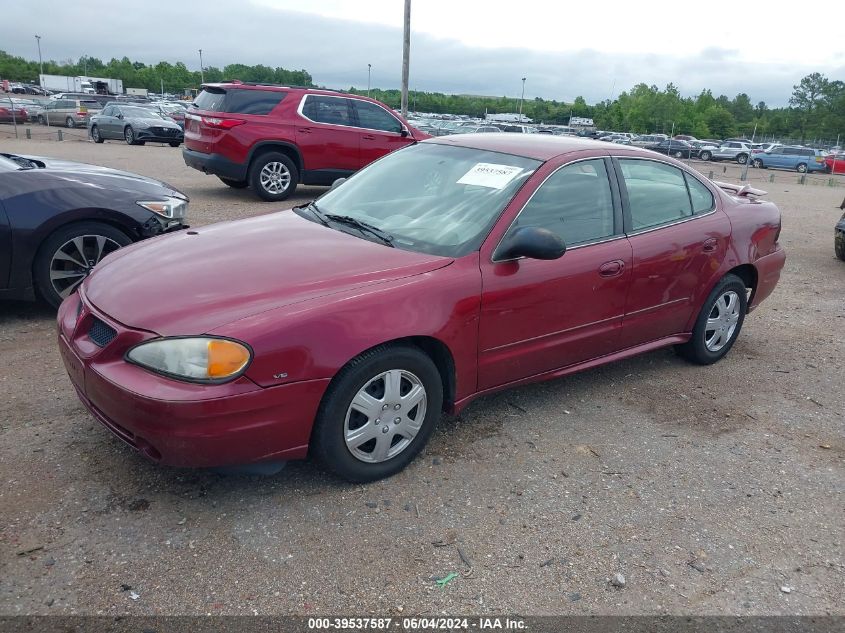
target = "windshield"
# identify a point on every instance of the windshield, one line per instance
(140, 113)
(432, 198)
(7, 164)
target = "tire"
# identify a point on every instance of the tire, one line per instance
(367, 457)
(757, 163)
(69, 122)
(801, 168)
(742, 159)
(234, 184)
(57, 278)
(705, 155)
(273, 176)
(95, 134)
(705, 349)
(42, 120)
(129, 135)
(678, 155)
(175, 143)
(839, 245)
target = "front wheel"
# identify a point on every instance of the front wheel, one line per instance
(378, 413)
(69, 255)
(839, 245)
(802, 168)
(41, 120)
(129, 136)
(95, 134)
(273, 176)
(757, 163)
(718, 324)
(175, 143)
(678, 154)
(705, 155)
(742, 159)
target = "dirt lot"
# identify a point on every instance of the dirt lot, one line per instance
(712, 490)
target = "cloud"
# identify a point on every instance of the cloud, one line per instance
(336, 53)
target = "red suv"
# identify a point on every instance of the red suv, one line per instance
(271, 138)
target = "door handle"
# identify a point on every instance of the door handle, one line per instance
(612, 269)
(304, 130)
(710, 245)
(368, 137)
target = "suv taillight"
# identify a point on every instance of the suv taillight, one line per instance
(223, 124)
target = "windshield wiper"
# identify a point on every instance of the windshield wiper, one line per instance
(25, 163)
(315, 211)
(364, 227)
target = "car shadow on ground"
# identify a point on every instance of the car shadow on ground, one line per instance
(25, 311)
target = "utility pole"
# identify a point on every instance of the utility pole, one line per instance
(40, 63)
(161, 79)
(521, 99)
(406, 54)
(369, 74)
(202, 71)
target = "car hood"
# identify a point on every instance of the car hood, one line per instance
(150, 121)
(115, 178)
(192, 282)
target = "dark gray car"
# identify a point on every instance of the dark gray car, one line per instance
(134, 124)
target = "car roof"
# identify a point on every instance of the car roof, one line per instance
(537, 146)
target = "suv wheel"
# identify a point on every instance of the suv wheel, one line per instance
(742, 159)
(273, 176)
(802, 168)
(69, 122)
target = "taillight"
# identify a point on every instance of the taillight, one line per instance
(223, 124)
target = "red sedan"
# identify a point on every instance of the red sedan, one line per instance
(449, 269)
(835, 163)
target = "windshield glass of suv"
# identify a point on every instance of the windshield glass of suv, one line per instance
(432, 198)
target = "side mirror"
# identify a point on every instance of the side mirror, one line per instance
(532, 242)
(405, 132)
(337, 183)
(119, 116)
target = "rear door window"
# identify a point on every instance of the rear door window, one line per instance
(244, 101)
(657, 193)
(330, 110)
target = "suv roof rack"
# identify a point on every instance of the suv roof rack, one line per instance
(261, 83)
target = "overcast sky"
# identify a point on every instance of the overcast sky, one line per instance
(564, 49)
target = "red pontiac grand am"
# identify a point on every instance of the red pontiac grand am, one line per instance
(448, 269)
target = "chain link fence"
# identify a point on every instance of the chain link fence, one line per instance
(30, 128)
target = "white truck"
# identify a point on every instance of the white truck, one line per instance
(137, 92)
(88, 85)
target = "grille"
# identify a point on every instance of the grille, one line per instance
(165, 131)
(101, 333)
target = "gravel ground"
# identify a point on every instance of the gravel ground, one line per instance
(709, 489)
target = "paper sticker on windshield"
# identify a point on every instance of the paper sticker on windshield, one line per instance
(490, 175)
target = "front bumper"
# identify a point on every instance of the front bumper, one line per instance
(177, 423)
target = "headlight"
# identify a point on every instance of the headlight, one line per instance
(195, 359)
(173, 208)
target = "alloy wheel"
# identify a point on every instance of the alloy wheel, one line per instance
(75, 259)
(385, 416)
(275, 177)
(722, 321)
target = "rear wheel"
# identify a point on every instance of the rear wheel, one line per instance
(718, 324)
(41, 120)
(742, 159)
(95, 134)
(705, 155)
(802, 168)
(378, 413)
(69, 255)
(69, 122)
(234, 184)
(678, 154)
(273, 176)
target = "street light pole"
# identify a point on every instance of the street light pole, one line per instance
(521, 99)
(406, 54)
(369, 73)
(40, 63)
(202, 71)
